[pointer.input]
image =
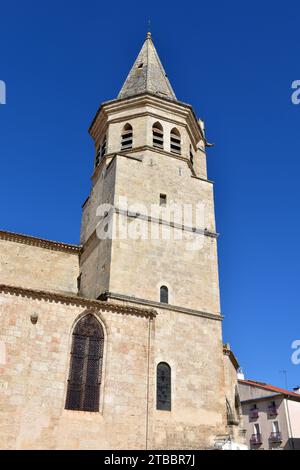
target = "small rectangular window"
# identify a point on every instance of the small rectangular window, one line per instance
(163, 200)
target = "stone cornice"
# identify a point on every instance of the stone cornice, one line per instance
(97, 305)
(150, 303)
(39, 242)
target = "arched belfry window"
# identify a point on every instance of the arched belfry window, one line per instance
(163, 387)
(86, 365)
(158, 135)
(102, 150)
(164, 295)
(127, 137)
(175, 141)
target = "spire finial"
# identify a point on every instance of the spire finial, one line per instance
(147, 74)
(149, 36)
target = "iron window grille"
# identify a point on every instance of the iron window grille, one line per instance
(163, 398)
(84, 382)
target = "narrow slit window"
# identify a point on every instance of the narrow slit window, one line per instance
(84, 382)
(103, 147)
(158, 135)
(175, 142)
(79, 282)
(163, 387)
(127, 137)
(164, 295)
(163, 200)
(191, 155)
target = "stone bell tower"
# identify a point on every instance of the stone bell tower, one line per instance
(149, 239)
(150, 151)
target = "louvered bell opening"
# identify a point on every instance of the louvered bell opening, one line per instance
(158, 138)
(127, 139)
(98, 158)
(103, 148)
(175, 144)
(101, 153)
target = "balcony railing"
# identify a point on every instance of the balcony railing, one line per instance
(276, 437)
(256, 439)
(254, 414)
(272, 410)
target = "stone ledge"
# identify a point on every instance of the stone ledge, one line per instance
(97, 305)
(114, 296)
(183, 228)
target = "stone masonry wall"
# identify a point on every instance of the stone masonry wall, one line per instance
(34, 267)
(34, 363)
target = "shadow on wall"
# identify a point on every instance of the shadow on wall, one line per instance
(292, 444)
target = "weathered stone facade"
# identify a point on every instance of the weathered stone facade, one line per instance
(35, 372)
(46, 287)
(235, 422)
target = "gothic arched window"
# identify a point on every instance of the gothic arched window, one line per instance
(86, 366)
(127, 137)
(230, 415)
(164, 295)
(175, 141)
(163, 387)
(158, 135)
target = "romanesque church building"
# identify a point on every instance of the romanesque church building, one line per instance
(116, 343)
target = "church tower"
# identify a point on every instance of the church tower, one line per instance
(116, 343)
(150, 171)
(149, 240)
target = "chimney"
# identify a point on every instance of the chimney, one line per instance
(240, 374)
(202, 125)
(297, 390)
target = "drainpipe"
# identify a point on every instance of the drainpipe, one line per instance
(148, 380)
(286, 402)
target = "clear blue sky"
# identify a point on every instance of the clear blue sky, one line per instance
(234, 62)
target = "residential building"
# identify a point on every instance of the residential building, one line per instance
(271, 416)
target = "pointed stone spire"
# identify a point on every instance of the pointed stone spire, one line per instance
(147, 75)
